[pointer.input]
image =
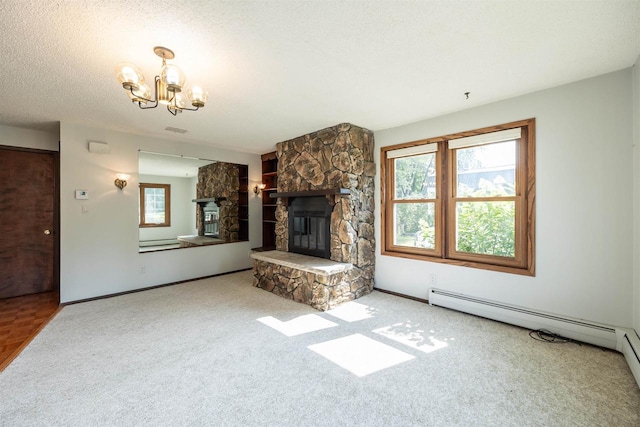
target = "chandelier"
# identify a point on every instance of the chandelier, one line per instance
(168, 86)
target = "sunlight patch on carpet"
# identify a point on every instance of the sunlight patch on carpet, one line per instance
(360, 355)
(412, 336)
(352, 312)
(298, 326)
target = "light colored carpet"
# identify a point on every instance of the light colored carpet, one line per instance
(196, 354)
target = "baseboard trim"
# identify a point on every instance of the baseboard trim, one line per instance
(397, 294)
(133, 291)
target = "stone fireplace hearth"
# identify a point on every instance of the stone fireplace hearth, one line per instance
(335, 163)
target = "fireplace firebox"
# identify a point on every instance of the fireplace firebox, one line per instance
(309, 226)
(208, 216)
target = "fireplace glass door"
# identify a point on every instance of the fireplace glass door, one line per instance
(309, 226)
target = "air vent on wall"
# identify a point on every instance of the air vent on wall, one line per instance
(176, 130)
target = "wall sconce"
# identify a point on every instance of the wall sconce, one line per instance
(121, 180)
(258, 188)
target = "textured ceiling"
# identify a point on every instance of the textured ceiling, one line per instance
(279, 69)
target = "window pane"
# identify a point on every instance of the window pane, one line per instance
(487, 170)
(414, 225)
(415, 177)
(486, 228)
(154, 205)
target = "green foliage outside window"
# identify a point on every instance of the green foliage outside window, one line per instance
(486, 228)
(483, 227)
(414, 179)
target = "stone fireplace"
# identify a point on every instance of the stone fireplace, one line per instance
(217, 201)
(325, 179)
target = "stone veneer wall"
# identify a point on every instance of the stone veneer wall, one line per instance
(337, 157)
(220, 179)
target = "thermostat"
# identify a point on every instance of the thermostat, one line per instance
(82, 195)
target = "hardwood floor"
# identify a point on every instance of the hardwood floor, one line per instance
(21, 318)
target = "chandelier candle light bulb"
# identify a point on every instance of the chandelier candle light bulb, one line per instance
(173, 77)
(167, 85)
(198, 96)
(178, 102)
(129, 76)
(141, 94)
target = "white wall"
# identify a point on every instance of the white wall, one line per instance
(183, 210)
(99, 250)
(636, 194)
(584, 218)
(27, 138)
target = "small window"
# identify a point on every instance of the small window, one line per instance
(155, 205)
(415, 206)
(464, 199)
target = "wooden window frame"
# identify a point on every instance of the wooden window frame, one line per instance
(524, 261)
(437, 201)
(167, 205)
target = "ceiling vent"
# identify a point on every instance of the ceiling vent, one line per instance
(176, 130)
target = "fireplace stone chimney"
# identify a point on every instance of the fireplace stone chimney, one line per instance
(337, 161)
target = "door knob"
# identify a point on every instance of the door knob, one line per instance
(47, 232)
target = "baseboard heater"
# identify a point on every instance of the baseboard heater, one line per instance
(631, 351)
(593, 333)
(623, 340)
(158, 242)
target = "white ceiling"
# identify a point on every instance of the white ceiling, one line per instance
(279, 69)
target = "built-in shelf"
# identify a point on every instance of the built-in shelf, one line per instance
(243, 202)
(270, 181)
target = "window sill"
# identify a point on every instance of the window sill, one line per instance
(483, 266)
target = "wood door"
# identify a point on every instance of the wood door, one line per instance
(27, 222)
